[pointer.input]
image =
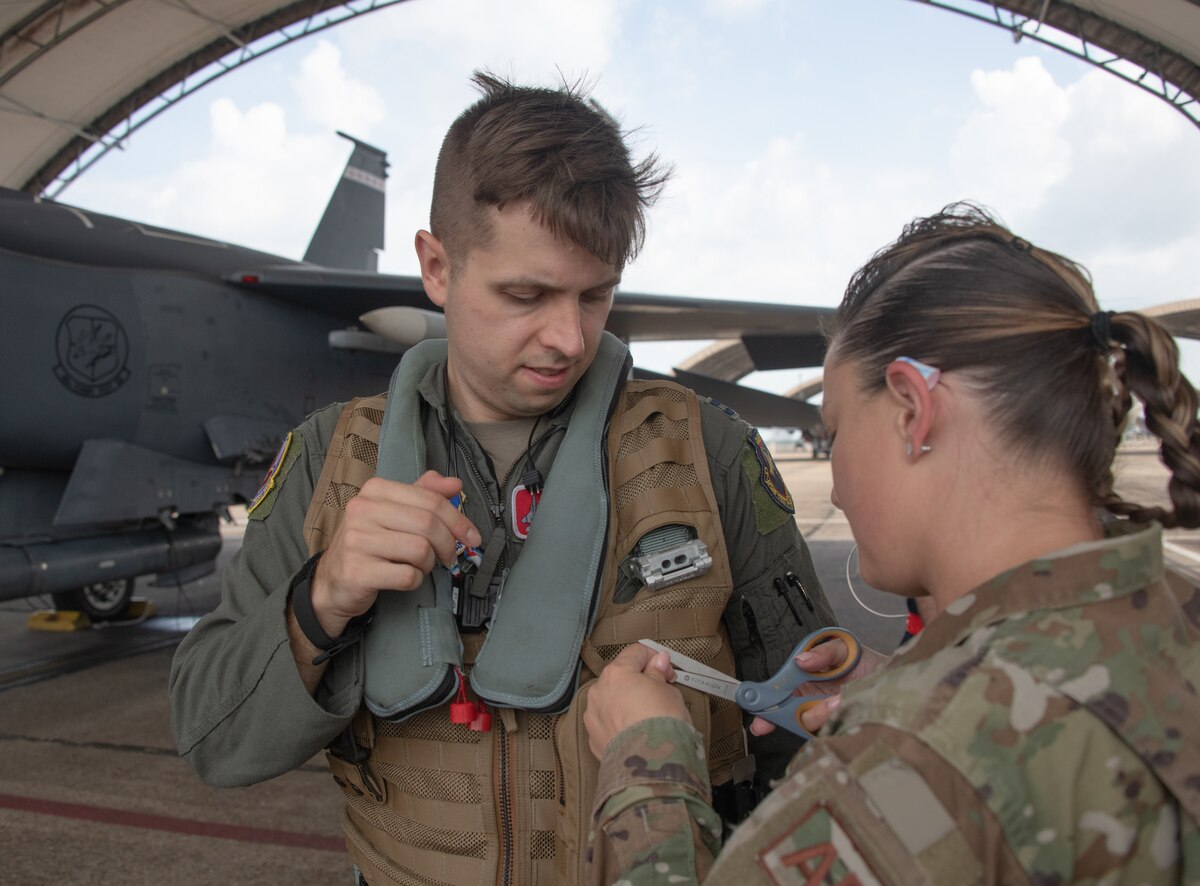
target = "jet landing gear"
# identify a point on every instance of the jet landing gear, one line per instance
(100, 601)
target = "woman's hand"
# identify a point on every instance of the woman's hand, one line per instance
(823, 658)
(634, 687)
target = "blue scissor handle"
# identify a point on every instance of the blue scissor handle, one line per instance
(773, 700)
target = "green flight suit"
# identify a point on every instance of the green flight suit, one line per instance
(240, 712)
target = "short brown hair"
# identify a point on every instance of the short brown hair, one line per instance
(959, 291)
(555, 148)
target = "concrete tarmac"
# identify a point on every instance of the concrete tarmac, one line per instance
(92, 791)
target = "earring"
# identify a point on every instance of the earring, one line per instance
(925, 447)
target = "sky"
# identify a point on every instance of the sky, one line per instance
(803, 136)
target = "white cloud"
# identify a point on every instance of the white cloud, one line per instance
(1122, 193)
(333, 99)
(530, 38)
(732, 8)
(1012, 149)
(785, 226)
(256, 184)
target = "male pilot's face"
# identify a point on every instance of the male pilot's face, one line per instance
(524, 316)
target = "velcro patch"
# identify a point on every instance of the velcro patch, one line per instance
(716, 404)
(819, 849)
(260, 506)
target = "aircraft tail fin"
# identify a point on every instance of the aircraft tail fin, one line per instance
(350, 233)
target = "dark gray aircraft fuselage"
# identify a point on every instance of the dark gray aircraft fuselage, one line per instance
(150, 376)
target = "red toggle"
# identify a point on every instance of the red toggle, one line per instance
(483, 720)
(461, 710)
(914, 625)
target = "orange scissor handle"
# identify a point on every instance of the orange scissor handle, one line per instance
(816, 638)
(773, 699)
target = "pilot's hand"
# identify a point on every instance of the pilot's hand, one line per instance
(824, 657)
(634, 687)
(390, 537)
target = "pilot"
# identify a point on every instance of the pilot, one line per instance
(1042, 728)
(430, 580)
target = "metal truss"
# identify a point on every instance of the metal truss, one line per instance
(1100, 42)
(234, 49)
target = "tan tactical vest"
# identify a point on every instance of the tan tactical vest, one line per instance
(435, 803)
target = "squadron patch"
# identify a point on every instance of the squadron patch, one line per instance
(260, 507)
(769, 475)
(773, 505)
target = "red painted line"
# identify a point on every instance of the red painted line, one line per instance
(125, 818)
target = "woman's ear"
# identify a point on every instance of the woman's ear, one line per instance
(913, 395)
(435, 266)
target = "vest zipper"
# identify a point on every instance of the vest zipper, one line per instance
(505, 803)
(494, 509)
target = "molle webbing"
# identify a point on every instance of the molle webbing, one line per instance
(658, 477)
(439, 821)
(349, 463)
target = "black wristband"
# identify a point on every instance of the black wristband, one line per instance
(310, 625)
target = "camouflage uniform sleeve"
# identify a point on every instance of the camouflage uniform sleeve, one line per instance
(239, 711)
(864, 810)
(652, 822)
(777, 598)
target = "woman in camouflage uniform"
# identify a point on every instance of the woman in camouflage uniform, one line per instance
(1043, 729)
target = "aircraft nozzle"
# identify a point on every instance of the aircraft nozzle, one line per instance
(406, 326)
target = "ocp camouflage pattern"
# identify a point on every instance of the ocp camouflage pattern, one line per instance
(1044, 729)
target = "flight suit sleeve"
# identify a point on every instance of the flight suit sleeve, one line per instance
(239, 710)
(777, 598)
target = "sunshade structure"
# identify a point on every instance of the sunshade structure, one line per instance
(76, 76)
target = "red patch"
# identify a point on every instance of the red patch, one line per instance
(524, 505)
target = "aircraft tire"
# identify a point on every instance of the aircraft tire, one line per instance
(101, 601)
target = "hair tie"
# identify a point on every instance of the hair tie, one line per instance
(1101, 324)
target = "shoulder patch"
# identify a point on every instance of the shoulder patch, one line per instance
(818, 849)
(264, 500)
(773, 504)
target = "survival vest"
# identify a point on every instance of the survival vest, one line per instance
(432, 802)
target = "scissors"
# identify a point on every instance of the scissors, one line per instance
(771, 699)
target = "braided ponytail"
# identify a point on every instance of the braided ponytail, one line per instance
(1149, 365)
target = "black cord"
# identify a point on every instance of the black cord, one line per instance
(532, 478)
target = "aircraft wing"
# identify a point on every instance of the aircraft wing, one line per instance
(330, 290)
(776, 336)
(760, 408)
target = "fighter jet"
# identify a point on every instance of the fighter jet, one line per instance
(150, 375)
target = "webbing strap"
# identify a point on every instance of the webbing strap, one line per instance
(636, 415)
(657, 452)
(668, 624)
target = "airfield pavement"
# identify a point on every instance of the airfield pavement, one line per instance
(91, 788)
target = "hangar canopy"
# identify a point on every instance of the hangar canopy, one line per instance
(76, 76)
